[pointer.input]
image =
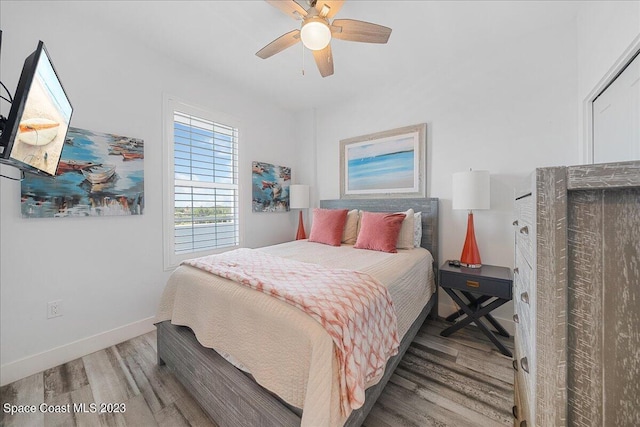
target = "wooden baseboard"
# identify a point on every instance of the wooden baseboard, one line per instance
(30, 365)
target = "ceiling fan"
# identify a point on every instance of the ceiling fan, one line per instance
(317, 30)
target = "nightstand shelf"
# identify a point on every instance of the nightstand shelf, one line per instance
(485, 289)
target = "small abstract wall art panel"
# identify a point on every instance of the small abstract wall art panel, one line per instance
(99, 175)
(270, 187)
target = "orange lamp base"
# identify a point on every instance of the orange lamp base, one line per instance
(470, 254)
(301, 234)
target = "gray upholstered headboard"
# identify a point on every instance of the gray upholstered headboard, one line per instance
(428, 207)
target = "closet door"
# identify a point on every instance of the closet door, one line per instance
(616, 118)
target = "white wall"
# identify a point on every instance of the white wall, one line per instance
(608, 33)
(109, 271)
(305, 150)
(507, 107)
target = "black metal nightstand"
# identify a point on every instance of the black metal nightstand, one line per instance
(490, 282)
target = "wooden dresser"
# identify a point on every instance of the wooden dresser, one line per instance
(524, 303)
(577, 296)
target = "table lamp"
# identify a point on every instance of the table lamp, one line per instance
(471, 191)
(299, 199)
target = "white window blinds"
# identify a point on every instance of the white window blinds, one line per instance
(205, 157)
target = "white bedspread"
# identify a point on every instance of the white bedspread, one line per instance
(285, 350)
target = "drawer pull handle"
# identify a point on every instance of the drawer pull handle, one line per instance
(514, 411)
(524, 230)
(525, 297)
(515, 223)
(524, 362)
(515, 365)
(516, 270)
(516, 319)
(473, 284)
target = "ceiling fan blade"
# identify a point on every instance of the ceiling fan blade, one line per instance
(279, 44)
(324, 60)
(289, 7)
(333, 7)
(359, 31)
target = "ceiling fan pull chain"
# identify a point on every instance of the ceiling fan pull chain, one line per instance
(302, 58)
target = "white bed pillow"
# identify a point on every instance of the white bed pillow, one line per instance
(417, 229)
(350, 233)
(405, 238)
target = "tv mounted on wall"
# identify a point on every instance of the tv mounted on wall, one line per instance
(35, 131)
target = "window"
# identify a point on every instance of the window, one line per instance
(201, 214)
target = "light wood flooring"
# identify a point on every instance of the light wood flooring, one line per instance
(457, 381)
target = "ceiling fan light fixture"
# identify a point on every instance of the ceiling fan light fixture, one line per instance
(315, 33)
(318, 28)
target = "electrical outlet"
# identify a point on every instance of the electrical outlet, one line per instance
(54, 309)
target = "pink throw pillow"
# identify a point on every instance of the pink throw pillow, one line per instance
(379, 231)
(328, 225)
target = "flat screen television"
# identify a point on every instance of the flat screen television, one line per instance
(36, 128)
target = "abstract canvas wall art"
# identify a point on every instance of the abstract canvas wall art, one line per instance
(270, 187)
(99, 174)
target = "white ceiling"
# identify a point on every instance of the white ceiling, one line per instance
(221, 38)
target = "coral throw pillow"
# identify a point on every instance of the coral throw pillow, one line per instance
(327, 226)
(379, 231)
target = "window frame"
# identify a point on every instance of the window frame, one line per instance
(170, 105)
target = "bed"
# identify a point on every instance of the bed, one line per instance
(229, 391)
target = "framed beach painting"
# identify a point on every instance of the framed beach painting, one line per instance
(390, 163)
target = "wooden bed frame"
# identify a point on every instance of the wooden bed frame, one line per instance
(231, 397)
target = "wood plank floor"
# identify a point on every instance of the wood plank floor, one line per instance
(457, 381)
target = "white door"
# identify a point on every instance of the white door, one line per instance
(616, 118)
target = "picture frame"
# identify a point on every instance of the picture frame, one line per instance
(384, 164)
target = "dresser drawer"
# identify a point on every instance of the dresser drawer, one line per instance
(524, 324)
(523, 226)
(524, 240)
(524, 407)
(524, 333)
(523, 379)
(523, 294)
(517, 406)
(523, 273)
(524, 208)
(484, 286)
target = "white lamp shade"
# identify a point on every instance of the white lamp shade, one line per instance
(315, 34)
(298, 196)
(471, 190)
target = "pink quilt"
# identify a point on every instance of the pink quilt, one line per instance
(354, 308)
